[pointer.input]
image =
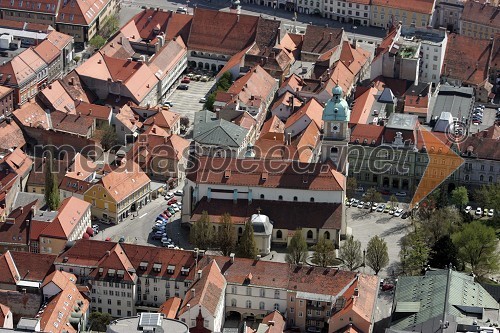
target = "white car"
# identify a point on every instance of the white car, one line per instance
(479, 211)
(179, 193)
(170, 246)
(361, 204)
(375, 206)
(392, 211)
(468, 209)
(381, 208)
(398, 212)
(175, 207)
(491, 212)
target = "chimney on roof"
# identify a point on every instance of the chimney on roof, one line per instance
(270, 323)
(193, 293)
(99, 61)
(33, 210)
(231, 257)
(356, 292)
(238, 18)
(200, 273)
(278, 40)
(50, 86)
(108, 253)
(330, 36)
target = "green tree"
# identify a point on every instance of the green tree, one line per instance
(226, 238)
(97, 42)
(225, 81)
(489, 197)
(351, 186)
(98, 321)
(477, 247)
(373, 196)
(246, 246)
(109, 137)
(459, 197)
(441, 222)
(377, 255)
(444, 253)
(393, 201)
(324, 253)
(350, 253)
(201, 234)
(51, 193)
(297, 249)
(414, 252)
(209, 103)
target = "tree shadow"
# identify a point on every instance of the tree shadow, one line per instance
(397, 229)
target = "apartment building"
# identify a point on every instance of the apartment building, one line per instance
(216, 287)
(385, 13)
(480, 19)
(114, 195)
(356, 12)
(6, 101)
(79, 19)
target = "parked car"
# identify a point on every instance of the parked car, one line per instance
(204, 78)
(168, 103)
(359, 189)
(392, 211)
(159, 235)
(183, 87)
(479, 211)
(385, 192)
(491, 212)
(485, 212)
(381, 208)
(162, 219)
(468, 209)
(398, 212)
(171, 210)
(375, 206)
(387, 287)
(175, 207)
(405, 215)
(122, 239)
(108, 239)
(179, 193)
(166, 212)
(172, 201)
(361, 204)
(401, 194)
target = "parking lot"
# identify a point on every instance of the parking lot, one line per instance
(187, 102)
(364, 224)
(488, 120)
(137, 229)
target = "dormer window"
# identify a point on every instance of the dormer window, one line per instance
(170, 269)
(185, 271)
(120, 273)
(143, 265)
(111, 272)
(157, 267)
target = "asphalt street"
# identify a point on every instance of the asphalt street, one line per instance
(137, 229)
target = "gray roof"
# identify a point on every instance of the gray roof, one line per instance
(421, 301)
(454, 100)
(24, 198)
(220, 132)
(387, 97)
(402, 121)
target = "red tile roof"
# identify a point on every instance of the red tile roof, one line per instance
(22, 67)
(265, 173)
(26, 26)
(482, 13)
(47, 51)
(275, 322)
(19, 162)
(284, 214)
(32, 115)
(27, 266)
(164, 119)
(150, 22)
(231, 34)
(46, 6)
(4, 312)
(81, 12)
(208, 291)
(417, 6)
(71, 211)
(61, 279)
(15, 230)
(318, 40)
(362, 106)
(124, 181)
(273, 128)
(113, 261)
(255, 86)
(100, 112)
(170, 307)
(312, 109)
(368, 132)
(467, 59)
(59, 39)
(56, 316)
(71, 123)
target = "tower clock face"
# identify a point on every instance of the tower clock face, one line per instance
(335, 127)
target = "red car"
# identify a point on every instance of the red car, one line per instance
(108, 239)
(185, 80)
(166, 212)
(387, 287)
(172, 201)
(385, 192)
(164, 216)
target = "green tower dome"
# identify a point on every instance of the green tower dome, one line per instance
(336, 108)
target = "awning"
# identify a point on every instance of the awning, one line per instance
(90, 231)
